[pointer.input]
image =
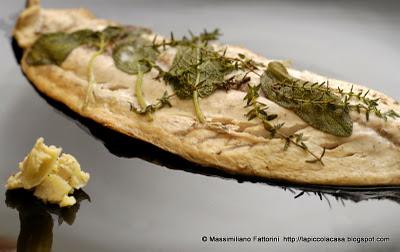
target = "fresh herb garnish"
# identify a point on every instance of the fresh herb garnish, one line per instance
(54, 48)
(319, 107)
(91, 77)
(99, 40)
(198, 70)
(364, 104)
(259, 110)
(162, 102)
(139, 93)
(130, 55)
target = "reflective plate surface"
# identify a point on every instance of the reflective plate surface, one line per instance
(143, 199)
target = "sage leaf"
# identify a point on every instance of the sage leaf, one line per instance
(130, 55)
(195, 70)
(54, 48)
(314, 103)
(112, 33)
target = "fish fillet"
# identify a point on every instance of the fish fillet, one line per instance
(227, 141)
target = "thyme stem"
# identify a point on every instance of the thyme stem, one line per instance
(317, 158)
(250, 67)
(199, 113)
(139, 92)
(138, 89)
(196, 103)
(259, 111)
(269, 127)
(90, 72)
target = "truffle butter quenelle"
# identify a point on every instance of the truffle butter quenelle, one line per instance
(217, 105)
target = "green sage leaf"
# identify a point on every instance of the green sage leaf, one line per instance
(54, 48)
(314, 103)
(209, 68)
(137, 52)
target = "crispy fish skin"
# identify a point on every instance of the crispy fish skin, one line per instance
(228, 141)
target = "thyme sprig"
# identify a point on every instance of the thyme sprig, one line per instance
(259, 110)
(243, 63)
(317, 106)
(202, 39)
(366, 104)
(145, 109)
(234, 82)
(362, 103)
(163, 101)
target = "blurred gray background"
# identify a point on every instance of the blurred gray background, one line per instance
(140, 206)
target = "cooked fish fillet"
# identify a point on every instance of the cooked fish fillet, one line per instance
(227, 141)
